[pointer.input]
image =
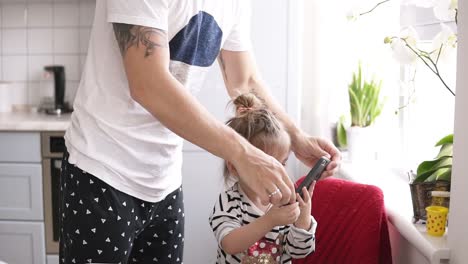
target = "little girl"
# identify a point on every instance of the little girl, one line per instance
(247, 231)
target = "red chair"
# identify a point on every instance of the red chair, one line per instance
(352, 224)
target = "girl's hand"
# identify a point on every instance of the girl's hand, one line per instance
(283, 215)
(305, 206)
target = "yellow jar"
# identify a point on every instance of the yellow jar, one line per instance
(436, 220)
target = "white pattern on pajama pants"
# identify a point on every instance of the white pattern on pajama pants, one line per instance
(99, 224)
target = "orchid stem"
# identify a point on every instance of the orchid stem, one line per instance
(442, 80)
(435, 70)
(377, 5)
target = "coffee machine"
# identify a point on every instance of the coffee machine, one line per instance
(59, 106)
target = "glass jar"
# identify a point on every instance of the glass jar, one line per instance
(440, 198)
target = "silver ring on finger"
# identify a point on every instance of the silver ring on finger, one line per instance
(274, 193)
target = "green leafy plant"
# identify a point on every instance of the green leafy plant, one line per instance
(341, 133)
(364, 99)
(439, 168)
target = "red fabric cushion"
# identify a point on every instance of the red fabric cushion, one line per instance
(352, 224)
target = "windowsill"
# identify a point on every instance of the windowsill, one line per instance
(398, 206)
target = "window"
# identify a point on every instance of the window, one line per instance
(333, 47)
(429, 116)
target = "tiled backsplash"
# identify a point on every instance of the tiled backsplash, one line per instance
(35, 33)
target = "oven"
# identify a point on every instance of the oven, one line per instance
(53, 147)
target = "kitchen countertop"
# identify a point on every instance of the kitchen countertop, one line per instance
(21, 121)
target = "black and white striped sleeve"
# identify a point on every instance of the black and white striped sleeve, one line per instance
(226, 216)
(299, 242)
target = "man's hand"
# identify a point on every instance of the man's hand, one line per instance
(265, 176)
(309, 149)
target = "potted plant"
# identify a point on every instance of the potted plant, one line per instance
(365, 106)
(432, 175)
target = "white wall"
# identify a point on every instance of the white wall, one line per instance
(458, 229)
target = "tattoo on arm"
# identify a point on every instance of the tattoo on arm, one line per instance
(131, 35)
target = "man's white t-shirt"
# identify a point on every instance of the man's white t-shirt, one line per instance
(113, 137)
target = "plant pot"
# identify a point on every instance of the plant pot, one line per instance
(361, 147)
(422, 198)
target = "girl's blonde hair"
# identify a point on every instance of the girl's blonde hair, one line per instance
(257, 124)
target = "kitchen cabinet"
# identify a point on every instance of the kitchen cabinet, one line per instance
(22, 242)
(53, 259)
(20, 147)
(21, 191)
(22, 238)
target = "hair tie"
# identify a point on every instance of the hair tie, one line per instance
(243, 109)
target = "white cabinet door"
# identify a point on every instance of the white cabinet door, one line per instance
(20, 147)
(52, 259)
(22, 242)
(202, 183)
(21, 192)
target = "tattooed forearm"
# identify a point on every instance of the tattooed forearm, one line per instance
(131, 35)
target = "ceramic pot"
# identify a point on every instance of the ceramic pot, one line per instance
(361, 144)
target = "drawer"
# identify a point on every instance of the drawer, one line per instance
(22, 242)
(52, 259)
(20, 147)
(21, 192)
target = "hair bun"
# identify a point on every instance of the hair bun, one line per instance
(246, 103)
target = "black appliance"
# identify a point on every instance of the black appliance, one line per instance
(59, 106)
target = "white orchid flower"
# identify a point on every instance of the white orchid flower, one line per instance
(353, 15)
(401, 52)
(445, 10)
(445, 40)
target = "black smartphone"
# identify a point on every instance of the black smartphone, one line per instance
(313, 175)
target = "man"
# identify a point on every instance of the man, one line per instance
(121, 198)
